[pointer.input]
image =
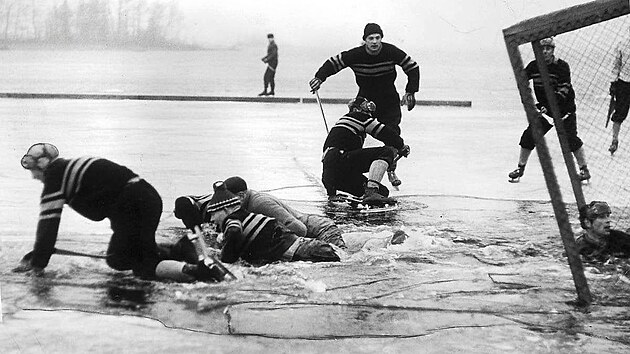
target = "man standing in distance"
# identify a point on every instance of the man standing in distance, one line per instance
(374, 66)
(271, 59)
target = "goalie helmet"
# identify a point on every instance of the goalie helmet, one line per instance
(39, 156)
(362, 104)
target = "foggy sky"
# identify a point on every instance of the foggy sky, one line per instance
(441, 24)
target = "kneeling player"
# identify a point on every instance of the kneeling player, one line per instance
(345, 160)
(259, 239)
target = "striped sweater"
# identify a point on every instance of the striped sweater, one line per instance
(560, 78)
(350, 131)
(89, 185)
(254, 237)
(375, 74)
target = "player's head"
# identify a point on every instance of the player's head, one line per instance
(548, 45)
(595, 217)
(38, 157)
(270, 36)
(372, 35)
(222, 203)
(361, 104)
(236, 185)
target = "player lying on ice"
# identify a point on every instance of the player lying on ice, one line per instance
(192, 210)
(97, 189)
(345, 160)
(259, 239)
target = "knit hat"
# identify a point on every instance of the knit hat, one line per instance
(593, 210)
(270, 35)
(222, 198)
(235, 184)
(547, 42)
(39, 156)
(372, 28)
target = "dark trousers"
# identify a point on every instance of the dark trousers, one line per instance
(134, 219)
(570, 127)
(344, 170)
(269, 79)
(622, 101)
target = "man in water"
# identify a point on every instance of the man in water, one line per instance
(598, 241)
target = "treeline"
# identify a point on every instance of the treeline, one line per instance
(110, 23)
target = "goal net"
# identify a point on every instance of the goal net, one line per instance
(586, 37)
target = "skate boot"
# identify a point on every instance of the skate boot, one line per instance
(264, 93)
(613, 146)
(584, 174)
(515, 176)
(372, 197)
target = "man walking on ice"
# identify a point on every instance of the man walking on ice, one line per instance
(560, 77)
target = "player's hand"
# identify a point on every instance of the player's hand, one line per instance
(315, 84)
(404, 151)
(613, 88)
(409, 99)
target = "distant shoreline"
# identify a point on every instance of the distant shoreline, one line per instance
(113, 47)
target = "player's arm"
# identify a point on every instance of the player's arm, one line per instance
(51, 206)
(411, 68)
(330, 67)
(564, 89)
(233, 241)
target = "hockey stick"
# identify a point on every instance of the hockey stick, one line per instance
(210, 257)
(321, 109)
(27, 257)
(611, 109)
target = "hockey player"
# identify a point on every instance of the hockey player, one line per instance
(374, 65)
(598, 242)
(345, 160)
(620, 90)
(193, 211)
(560, 77)
(259, 239)
(303, 225)
(97, 189)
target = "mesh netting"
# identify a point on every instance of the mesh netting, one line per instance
(590, 53)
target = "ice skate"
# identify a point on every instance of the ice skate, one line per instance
(515, 176)
(373, 198)
(264, 93)
(584, 174)
(613, 146)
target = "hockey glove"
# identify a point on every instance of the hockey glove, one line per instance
(404, 151)
(613, 88)
(315, 84)
(409, 99)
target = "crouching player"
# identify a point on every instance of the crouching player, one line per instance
(259, 239)
(345, 160)
(97, 189)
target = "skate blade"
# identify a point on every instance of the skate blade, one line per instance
(514, 180)
(378, 209)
